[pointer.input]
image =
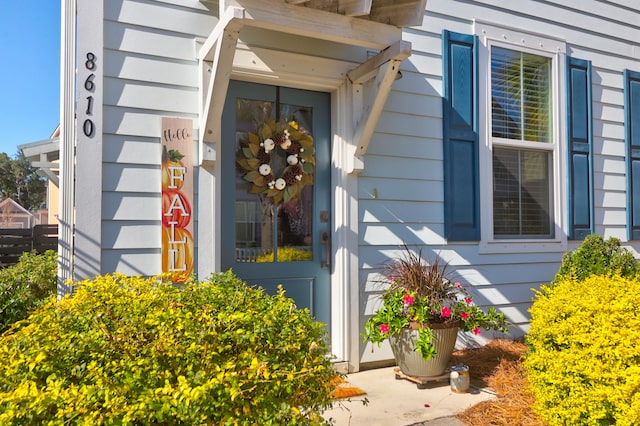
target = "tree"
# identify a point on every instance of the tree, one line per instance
(20, 182)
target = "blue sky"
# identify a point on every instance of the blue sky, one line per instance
(29, 72)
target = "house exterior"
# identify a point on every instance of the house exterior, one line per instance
(13, 215)
(493, 134)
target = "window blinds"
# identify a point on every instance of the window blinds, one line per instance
(520, 90)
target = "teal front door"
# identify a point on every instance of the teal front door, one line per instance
(276, 201)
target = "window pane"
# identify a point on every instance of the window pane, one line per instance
(295, 235)
(254, 215)
(520, 95)
(505, 93)
(521, 194)
(267, 231)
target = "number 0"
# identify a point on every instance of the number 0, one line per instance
(87, 128)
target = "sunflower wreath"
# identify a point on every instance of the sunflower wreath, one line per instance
(278, 160)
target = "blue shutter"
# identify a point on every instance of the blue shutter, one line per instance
(580, 149)
(632, 132)
(460, 137)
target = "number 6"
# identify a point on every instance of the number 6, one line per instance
(88, 83)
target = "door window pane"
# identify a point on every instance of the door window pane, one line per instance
(295, 236)
(254, 215)
(268, 231)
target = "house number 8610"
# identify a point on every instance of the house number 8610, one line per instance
(88, 127)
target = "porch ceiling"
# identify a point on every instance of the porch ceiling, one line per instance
(400, 13)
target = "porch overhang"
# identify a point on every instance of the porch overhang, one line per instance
(370, 24)
(45, 156)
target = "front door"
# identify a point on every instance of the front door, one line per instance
(276, 191)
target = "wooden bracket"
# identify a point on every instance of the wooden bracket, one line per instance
(385, 67)
(216, 63)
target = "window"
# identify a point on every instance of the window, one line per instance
(521, 144)
(517, 141)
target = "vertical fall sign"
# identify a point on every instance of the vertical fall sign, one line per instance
(177, 198)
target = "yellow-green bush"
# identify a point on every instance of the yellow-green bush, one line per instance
(584, 357)
(286, 254)
(133, 351)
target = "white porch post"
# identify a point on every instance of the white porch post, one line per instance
(67, 144)
(345, 296)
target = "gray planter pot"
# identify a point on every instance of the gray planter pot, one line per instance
(411, 362)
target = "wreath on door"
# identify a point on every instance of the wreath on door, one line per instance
(278, 160)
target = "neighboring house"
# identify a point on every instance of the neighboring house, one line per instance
(493, 134)
(45, 155)
(13, 215)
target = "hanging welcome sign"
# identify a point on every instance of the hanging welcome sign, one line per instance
(177, 198)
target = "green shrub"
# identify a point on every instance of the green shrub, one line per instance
(595, 256)
(25, 285)
(133, 351)
(584, 359)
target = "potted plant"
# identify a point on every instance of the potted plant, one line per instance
(422, 312)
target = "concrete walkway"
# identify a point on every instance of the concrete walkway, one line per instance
(400, 403)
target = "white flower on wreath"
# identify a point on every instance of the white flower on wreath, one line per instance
(292, 159)
(268, 145)
(286, 143)
(280, 184)
(264, 169)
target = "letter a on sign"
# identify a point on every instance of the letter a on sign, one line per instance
(177, 198)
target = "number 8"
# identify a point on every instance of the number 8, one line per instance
(90, 63)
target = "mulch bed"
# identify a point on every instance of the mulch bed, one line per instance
(498, 366)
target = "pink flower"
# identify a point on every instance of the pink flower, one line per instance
(384, 328)
(408, 299)
(457, 284)
(476, 330)
(464, 315)
(468, 301)
(445, 312)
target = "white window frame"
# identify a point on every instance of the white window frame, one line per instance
(490, 35)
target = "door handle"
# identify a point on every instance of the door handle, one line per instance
(324, 239)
